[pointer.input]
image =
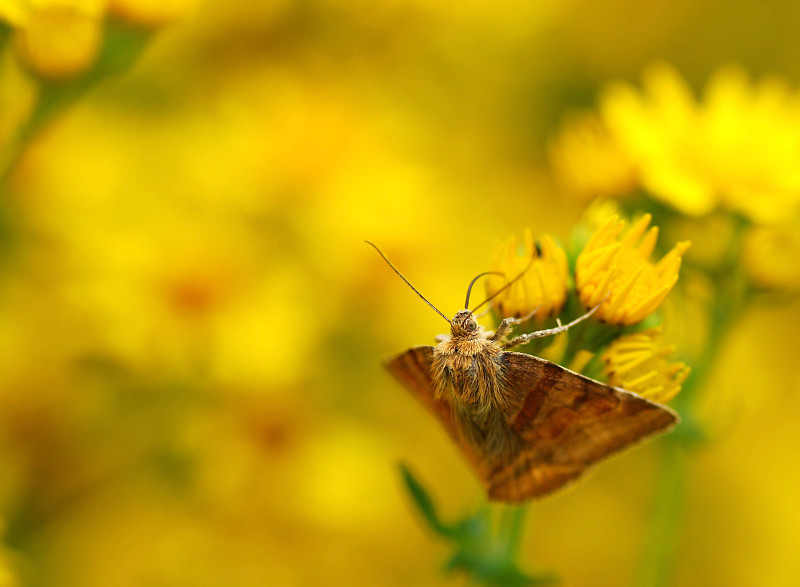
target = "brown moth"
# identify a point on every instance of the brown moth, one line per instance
(526, 426)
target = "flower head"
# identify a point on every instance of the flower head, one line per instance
(543, 286)
(616, 272)
(638, 363)
(737, 149)
(587, 161)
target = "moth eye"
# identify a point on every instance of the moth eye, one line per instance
(471, 325)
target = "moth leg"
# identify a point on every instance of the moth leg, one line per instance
(504, 328)
(441, 337)
(507, 324)
(523, 338)
(482, 314)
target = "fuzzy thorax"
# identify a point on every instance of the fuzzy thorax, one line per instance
(468, 371)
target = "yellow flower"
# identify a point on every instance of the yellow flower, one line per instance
(770, 255)
(618, 274)
(58, 39)
(544, 285)
(737, 149)
(637, 362)
(587, 162)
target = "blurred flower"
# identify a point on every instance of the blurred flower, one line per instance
(150, 13)
(544, 285)
(738, 149)
(12, 12)
(57, 39)
(618, 273)
(770, 255)
(587, 162)
(638, 363)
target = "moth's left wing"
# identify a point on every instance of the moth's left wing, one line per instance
(413, 369)
(567, 423)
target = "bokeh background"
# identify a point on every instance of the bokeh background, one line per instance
(191, 326)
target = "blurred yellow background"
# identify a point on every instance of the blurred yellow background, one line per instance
(192, 327)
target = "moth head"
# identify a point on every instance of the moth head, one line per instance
(464, 324)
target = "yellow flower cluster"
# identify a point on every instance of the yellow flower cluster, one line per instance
(543, 287)
(736, 149)
(616, 272)
(613, 271)
(638, 363)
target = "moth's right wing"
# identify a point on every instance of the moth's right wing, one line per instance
(567, 423)
(414, 369)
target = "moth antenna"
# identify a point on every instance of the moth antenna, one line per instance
(476, 278)
(407, 282)
(510, 283)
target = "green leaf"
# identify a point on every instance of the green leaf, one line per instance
(481, 551)
(424, 503)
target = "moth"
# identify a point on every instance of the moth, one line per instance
(527, 426)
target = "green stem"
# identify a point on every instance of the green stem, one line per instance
(661, 549)
(511, 529)
(662, 546)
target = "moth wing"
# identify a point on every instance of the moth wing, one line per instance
(414, 369)
(567, 423)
